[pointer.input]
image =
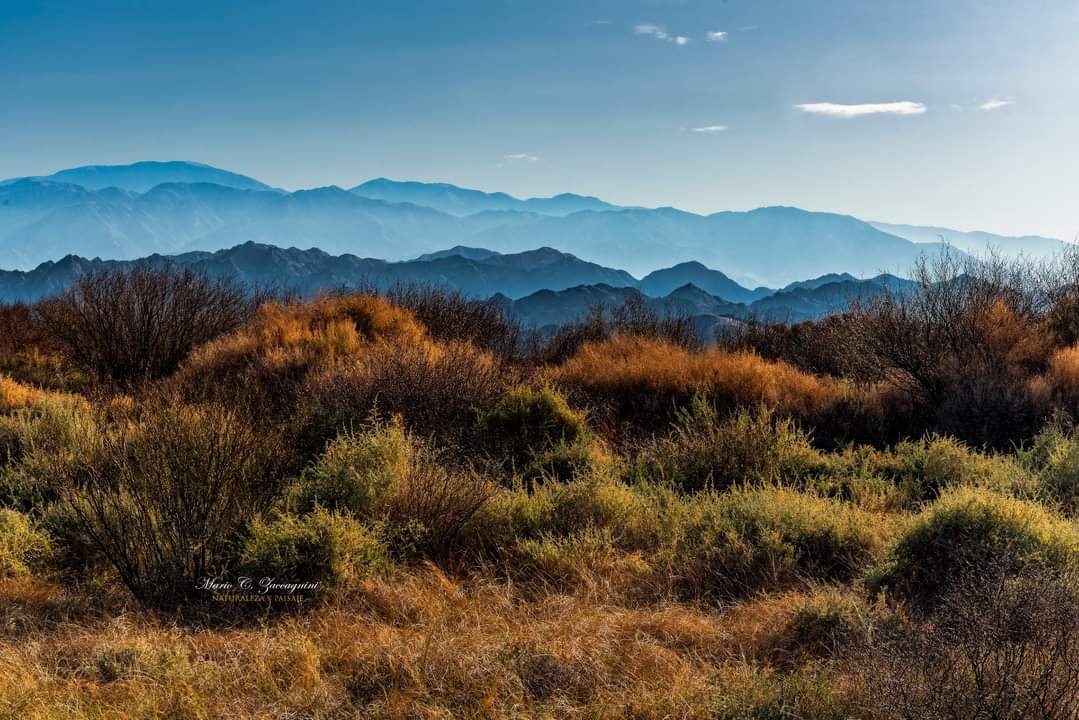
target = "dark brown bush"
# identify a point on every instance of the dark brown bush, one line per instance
(633, 317)
(160, 493)
(1000, 647)
(449, 316)
(436, 389)
(960, 345)
(133, 326)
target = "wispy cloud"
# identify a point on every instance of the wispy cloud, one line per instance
(718, 36)
(994, 104)
(521, 157)
(660, 33)
(709, 129)
(905, 107)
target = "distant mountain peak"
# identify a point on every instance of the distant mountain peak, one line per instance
(146, 174)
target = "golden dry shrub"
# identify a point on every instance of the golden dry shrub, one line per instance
(15, 395)
(641, 378)
(435, 388)
(266, 360)
(1060, 382)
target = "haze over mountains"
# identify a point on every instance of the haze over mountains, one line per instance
(126, 212)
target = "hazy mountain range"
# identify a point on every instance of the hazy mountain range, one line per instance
(539, 288)
(130, 211)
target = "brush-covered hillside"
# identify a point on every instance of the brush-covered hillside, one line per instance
(403, 504)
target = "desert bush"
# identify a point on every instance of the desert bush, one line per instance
(1053, 457)
(33, 439)
(22, 546)
(1000, 646)
(644, 380)
(331, 549)
(961, 345)
(808, 346)
(966, 531)
(922, 469)
(527, 426)
(561, 509)
(356, 471)
(745, 541)
(382, 474)
(436, 389)
(429, 510)
(635, 317)
(449, 316)
(161, 494)
(706, 451)
(128, 327)
(263, 364)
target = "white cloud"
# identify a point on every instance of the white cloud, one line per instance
(905, 107)
(718, 36)
(521, 157)
(709, 129)
(660, 33)
(653, 30)
(994, 104)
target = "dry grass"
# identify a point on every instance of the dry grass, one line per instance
(424, 645)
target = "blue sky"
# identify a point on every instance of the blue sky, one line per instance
(956, 112)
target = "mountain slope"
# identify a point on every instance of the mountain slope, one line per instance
(978, 242)
(463, 201)
(311, 271)
(662, 282)
(44, 220)
(141, 176)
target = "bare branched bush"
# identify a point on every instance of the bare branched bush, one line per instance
(128, 327)
(959, 345)
(449, 316)
(435, 389)
(633, 317)
(999, 647)
(161, 493)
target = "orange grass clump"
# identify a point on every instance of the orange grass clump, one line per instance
(645, 375)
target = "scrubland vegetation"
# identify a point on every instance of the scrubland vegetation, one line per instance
(872, 516)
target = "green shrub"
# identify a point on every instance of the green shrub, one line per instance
(923, 469)
(385, 475)
(74, 552)
(34, 440)
(747, 448)
(968, 531)
(356, 471)
(744, 541)
(331, 549)
(1053, 457)
(22, 547)
(829, 622)
(564, 509)
(535, 433)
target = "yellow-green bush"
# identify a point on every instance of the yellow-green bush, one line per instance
(705, 450)
(332, 549)
(1053, 457)
(22, 547)
(972, 531)
(527, 424)
(356, 471)
(383, 474)
(744, 541)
